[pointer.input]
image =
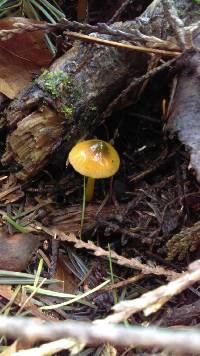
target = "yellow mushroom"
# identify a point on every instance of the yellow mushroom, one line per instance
(94, 159)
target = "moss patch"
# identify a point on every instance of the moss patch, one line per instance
(62, 89)
(55, 82)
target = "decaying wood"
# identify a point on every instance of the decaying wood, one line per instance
(37, 135)
(185, 241)
(184, 115)
(97, 75)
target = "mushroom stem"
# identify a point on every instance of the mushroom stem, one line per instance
(89, 189)
(83, 207)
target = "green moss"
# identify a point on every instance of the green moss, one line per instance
(63, 90)
(55, 82)
(67, 110)
(93, 108)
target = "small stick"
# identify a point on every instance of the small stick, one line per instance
(103, 28)
(99, 251)
(152, 301)
(100, 41)
(133, 84)
(187, 340)
(119, 11)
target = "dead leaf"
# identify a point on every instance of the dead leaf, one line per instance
(6, 292)
(69, 282)
(108, 350)
(21, 56)
(17, 250)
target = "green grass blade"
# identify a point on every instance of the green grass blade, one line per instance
(7, 8)
(11, 277)
(45, 13)
(55, 11)
(50, 293)
(77, 298)
(3, 2)
(34, 12)
(55, 2)
(50, 44)
(4, 273)
(12, 281)
(12, 222)
(112, 276)
(6, 308)
(38, 273)
(83, 206)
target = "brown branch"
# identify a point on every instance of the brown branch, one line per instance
(133, 35)
(102, 28)
(124, 283)
(151, 301)
(98, 251)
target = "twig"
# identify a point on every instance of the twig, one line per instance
(4, 193)
(124, 283)
(136, 81)
(98, 251)
(151, 301)
(102, 28)
(119, 11)
(132, 35)
(176, 23)
(130, 47)
(34, 330)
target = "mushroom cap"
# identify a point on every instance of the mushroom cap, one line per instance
(94, 158)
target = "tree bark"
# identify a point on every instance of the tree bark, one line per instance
(184, 113)
(43, 117)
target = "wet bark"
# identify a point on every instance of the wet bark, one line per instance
(184, 114)
(41, 120)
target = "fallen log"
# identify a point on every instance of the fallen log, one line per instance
(66, 103)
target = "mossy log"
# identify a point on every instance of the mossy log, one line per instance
(65, 103)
